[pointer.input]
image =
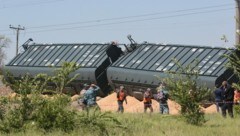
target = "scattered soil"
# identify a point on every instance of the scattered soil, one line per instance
(210, 109)
(133, 105)
(109, 103)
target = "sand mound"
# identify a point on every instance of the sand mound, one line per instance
(109, 103)
(75, 97)
(210, 109)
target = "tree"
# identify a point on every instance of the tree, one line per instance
(184, 88)
(3, 44)
(27, 84)
(61, 76)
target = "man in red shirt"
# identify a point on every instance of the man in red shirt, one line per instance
(121, 96)
(147, 100)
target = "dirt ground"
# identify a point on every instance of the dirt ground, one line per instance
(109, 103)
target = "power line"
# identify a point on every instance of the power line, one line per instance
(130, 21)
(136, 20)
(130, 17)
(127, 17)
(31, 4)
(17, 29)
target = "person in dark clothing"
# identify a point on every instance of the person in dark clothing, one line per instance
(114, 52)
(218, 97)
(228, 96)
(162, 98)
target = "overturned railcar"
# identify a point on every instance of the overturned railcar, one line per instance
(134, 66)
(138, 70)
(44, 58)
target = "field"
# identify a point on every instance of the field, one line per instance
(159, 125)
(136, 123)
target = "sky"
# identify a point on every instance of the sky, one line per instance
(186, 22)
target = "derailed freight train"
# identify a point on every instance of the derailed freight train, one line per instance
(135, 66)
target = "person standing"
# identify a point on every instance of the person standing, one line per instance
(237, 96)
(218, 97)
(81, 101)
(89, 98)
(162, 97)
(228, 96)
(147, 100)
(121, 96)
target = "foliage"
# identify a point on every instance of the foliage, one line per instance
(12, 122)
(183, 88)
(96, 121)
(234, 60)
(61, 77)
(234, 64)
(26, 84)
(3, 44)
(237, 109)
(38, 84)
(3, 107)
(15, 114)
(30, 106)
(50, 114)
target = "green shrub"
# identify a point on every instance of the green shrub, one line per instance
(3, 107)
(12, 122)
(48, 113)
(15, 114)
(61, 76)
(237, 109)
(183, 88)
(98, 122)
(54, 114)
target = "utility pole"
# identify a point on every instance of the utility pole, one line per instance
(17, 30)
(237, 17)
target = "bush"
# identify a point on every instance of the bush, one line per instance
(13, 121)
(53, 114)
(48, 113)
(3, 107)
(15, 114)
(183, 88)
(98, 122)
(237, 109)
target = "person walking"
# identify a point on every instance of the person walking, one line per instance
(162, 97)
(121, 97)
(147, 100)
(218, 97)
(228, 96)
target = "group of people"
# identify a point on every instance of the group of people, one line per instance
(225, 97)
(161, 96)
(89, 94)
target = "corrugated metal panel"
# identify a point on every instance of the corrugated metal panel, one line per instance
(159, 58)
(85, 55)
(139, 68)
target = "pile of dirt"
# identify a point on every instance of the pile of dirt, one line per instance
(109, 103)
(211, 109)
